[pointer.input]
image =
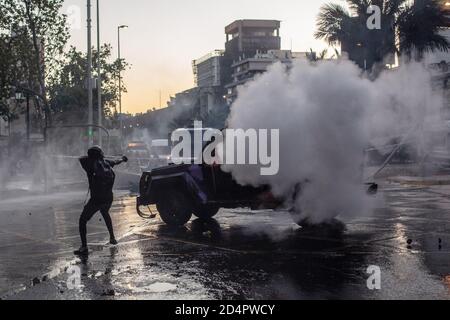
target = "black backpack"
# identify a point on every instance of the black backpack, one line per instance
(103, 177)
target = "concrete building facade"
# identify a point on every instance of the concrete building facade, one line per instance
(245, 38)
(207, 69)
(247, 69)
(215, 72)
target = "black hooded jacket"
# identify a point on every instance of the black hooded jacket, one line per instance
(101, 177)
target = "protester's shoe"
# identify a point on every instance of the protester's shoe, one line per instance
(83, 251)
(113, 241)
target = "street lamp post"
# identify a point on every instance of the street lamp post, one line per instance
(99, 77)
(89, 73)
(120, 81)
(28, 118)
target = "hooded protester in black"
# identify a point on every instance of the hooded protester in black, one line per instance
(101, 181)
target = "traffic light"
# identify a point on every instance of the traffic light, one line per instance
(88, 134)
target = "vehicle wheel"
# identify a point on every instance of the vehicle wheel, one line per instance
(175, 208)
(206, 212)
(296, 216)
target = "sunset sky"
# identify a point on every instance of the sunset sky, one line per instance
(164, 36)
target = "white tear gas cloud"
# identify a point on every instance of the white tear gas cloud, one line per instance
(327, 113)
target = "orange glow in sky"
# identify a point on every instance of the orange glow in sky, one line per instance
(164, 36)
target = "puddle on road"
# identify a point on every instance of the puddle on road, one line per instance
(157, 287)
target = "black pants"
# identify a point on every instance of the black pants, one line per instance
(88, 212)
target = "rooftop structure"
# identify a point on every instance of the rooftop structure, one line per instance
(246, 37)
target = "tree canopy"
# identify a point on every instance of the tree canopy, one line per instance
(407, 28)
(67, 90)
(33, 34)
(35, 61)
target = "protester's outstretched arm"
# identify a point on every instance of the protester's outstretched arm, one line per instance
(117, 162)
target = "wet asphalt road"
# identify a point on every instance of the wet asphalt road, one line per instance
(240, 255)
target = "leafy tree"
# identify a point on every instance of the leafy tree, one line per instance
(5, 77)
(419, 27)
(67, 90)
(35, 34)
(322, 55)
(415, 25)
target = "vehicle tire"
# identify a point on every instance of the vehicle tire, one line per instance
(296, 217)
(206, 212)
(175, 208)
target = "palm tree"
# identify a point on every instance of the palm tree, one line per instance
(334, 24)
(322, 55)
(418, 30)
(415, 26)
